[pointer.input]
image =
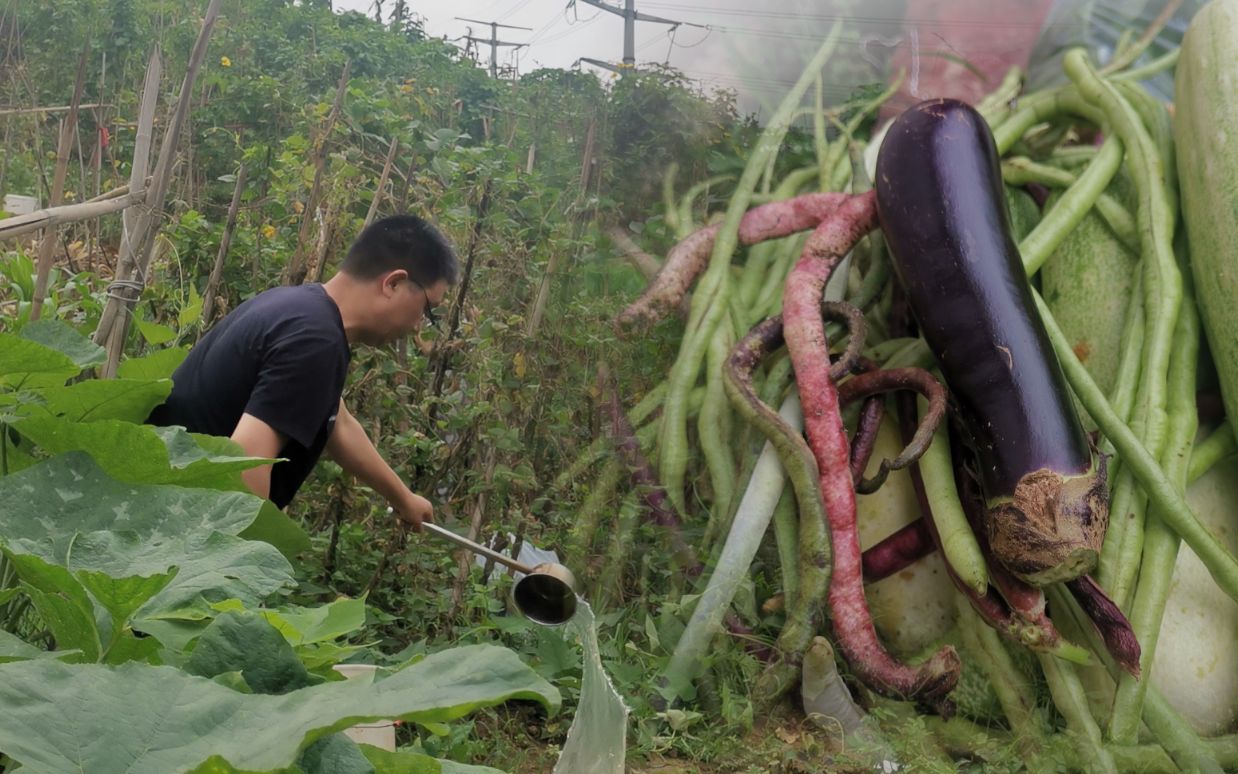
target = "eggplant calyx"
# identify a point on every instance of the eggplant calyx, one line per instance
(1051, 530)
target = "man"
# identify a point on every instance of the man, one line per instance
(270, 375)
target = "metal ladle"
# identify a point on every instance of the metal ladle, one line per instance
(545, 595)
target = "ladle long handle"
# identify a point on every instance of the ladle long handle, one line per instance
(476, 548)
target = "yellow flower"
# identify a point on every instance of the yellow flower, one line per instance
(268, 231)
(225, 61)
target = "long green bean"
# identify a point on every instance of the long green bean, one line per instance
(1122, 397)
(1159, 65)
(1174, 508)
(958, 542)
(1162, 278)
(1168, 727)
(1071, 208)
(769, 298)
(760, 498)
(710, 298)
(1022, 170)
(1071, 701)
(995, 106)
(1014, 693)
(819, 143)
(1156, 119)
(713, 427)
(1155, 562)
(1219, 445)
(786, 535)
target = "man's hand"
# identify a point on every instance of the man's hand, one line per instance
(413, 509)
(352, 449)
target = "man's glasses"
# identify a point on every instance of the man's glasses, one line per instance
(428, 310)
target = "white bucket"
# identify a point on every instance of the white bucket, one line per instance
(382, 734)
(16, 204)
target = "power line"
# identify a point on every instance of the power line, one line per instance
(574, 29)
(630, 17)
(519, 6)
(801, 17)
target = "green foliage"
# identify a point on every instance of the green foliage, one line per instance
(128, 547)
(244, 642)
(484, 423)
(656, 118)
(137, 718)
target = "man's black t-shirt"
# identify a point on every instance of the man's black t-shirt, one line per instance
(282, 357)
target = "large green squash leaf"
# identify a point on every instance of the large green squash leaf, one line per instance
(26, 364)
(335, 754)
(65, 339)
(118, 540)
(14, 648)
(277, 528)
(136, 718)
(213, 565)
(63, 604)
(140, 454)
(130, 400)
(309, 625)
(157, 365)
(244, 642)
(70, 494)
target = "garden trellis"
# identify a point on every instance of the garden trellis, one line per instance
(141, 202)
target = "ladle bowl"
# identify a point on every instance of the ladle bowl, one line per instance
(545, 595)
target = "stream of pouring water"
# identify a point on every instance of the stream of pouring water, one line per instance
(597, 740)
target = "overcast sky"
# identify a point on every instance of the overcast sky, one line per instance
(757, 53)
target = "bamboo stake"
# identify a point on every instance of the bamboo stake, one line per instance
(552, 265)
(326, 229)
(441, 350)
(50, 217)
(645, 263)
(4, 162)
(64, 149)
(212, 284)
(408, 181)
(295, 273)
(56, 109)
(147, 221)
(465, 560)
(137, 181)
(382, 182)
(100, 118)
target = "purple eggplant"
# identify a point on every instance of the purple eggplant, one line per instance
(940, 204)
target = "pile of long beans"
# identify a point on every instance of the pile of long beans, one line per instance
(731, 371)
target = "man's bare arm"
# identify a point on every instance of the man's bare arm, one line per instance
(352, 449)
(258, 439)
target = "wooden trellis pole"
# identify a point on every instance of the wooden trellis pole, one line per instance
(295, 273)
(382, 181)
(212, 284)
(64, 148)
(538, 310)
(136, 246)
(137, 180)
(50, 217)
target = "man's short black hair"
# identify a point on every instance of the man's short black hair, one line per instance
(402, 242)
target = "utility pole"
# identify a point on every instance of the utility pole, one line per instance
(630, 17)
(494, 41)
